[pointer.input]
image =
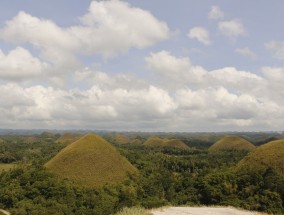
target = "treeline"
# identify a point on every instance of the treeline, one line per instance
(167, 176)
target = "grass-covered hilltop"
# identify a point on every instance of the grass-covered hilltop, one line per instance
(155, 141)
(269, 155)
(232, 143)
(108, 172)
(92, 162)
(68, 138)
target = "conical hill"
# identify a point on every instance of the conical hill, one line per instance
(92, 162)
(232, 143)
(159, 142)
(269, 155)
(68, 138)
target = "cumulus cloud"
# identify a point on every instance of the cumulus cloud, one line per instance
(215, 13)
(233, 28)
(20, 65)
(174, 71)
(222, 98)
(175, 95)
(201, 34)
(277, 48)
(109, 28)
(246, 52)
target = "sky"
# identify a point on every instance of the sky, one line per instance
(135, 65)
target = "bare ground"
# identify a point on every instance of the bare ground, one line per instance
(203, 211)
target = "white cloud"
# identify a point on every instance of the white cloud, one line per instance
(216, 13)
(201, 34)
(20, 65)
(232, 29)
(246, 52)
(175, 72)
(277, 48)
(109, 28)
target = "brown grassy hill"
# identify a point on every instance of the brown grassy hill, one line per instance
(159, 142)
(136, 142)
(232, 143)
(68, 138)
(90, 161)
(47, 134)
(268, 155)
(121, 139)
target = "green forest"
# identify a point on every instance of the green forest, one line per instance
(167, 176)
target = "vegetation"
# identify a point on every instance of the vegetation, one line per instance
(121, 139)
(270, 155)
(92, 162)
(68, 138)
(167, 176)
(159, 142)
(232, 143)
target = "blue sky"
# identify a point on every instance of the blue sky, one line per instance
(142, 65)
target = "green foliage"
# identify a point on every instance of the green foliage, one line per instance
(167, 176)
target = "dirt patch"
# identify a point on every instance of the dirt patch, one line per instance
(203, 211)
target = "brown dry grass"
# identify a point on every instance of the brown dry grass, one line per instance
(91, 161)
(232, 143)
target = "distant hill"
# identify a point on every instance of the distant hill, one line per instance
(68, 138)
(159, 142)
(31, 140)
(92, 162)
(136, 142)
(268, 155)
(47, 134)
(232, 143)
(121, 139)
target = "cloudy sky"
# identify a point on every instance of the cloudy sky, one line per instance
(184, 65)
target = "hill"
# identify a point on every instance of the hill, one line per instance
(30, 140)
(269, 155)
(159, 142)
(91, 161)
(232, 143)
(47, 134)
(121, 139)
(68, 138)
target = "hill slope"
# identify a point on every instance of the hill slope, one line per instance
(90, 161)
(268, 155)
(159, 142)
(68, 138)
(232, 143)
(121, 139)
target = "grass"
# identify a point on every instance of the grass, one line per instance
(92, 162)
(68, 138)
(6, 166)
(159, 142)
(121, 139)
(268, 155)
(134, 211)
(232, 143)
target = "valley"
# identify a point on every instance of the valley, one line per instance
(106, 172)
